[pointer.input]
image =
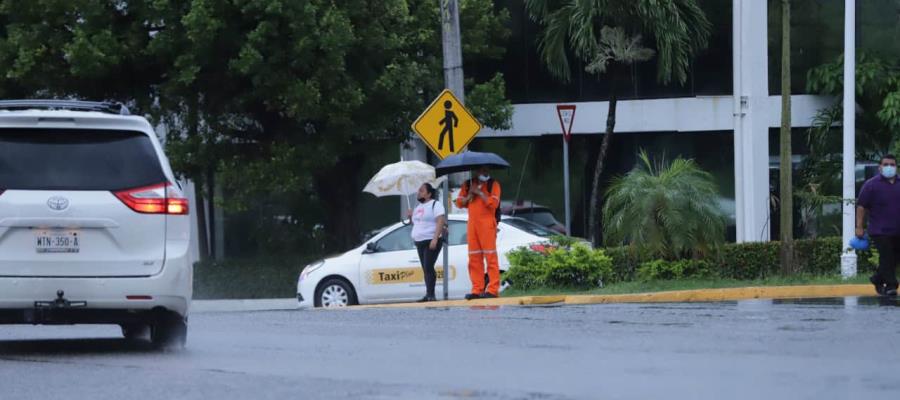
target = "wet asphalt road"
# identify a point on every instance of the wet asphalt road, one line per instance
(825, 349)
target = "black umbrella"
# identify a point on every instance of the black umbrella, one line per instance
(468, 161)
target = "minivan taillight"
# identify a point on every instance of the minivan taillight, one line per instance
(164, 198)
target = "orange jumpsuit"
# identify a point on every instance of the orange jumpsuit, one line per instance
(482, 236)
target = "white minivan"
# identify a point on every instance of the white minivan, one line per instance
(94, 227)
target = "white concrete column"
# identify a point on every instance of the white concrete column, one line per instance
(751, 122)
(848, 258)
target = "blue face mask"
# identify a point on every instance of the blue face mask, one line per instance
(889, 171)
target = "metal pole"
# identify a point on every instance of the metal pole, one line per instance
(738, 112)
(566, 184)
(453, 80)
(848, 258)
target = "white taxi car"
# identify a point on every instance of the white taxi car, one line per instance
(386, 269)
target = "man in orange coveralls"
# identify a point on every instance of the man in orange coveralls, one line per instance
(481, 195)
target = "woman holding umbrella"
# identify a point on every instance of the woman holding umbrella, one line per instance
(428, 220)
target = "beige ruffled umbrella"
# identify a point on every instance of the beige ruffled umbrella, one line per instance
(402, 179)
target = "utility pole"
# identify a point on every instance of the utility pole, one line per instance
(453, 80)
(453, 67)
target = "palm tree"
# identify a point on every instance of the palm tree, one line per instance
(669, 208)
(787, 167)
(580, 28)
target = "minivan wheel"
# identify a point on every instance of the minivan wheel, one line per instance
(135, 331)
(169, 331)
(335, 293)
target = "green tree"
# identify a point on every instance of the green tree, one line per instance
(313, 86)
(877, 129)
(274, 101)
(605, 36)
(786, 206)
(667, 208)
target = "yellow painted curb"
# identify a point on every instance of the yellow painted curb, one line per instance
(679, 296)
(727, 294)
(502, 301)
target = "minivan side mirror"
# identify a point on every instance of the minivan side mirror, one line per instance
(371, 248)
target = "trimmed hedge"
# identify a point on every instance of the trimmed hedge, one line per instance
(673, 270)
(247, 279)
(752, 260)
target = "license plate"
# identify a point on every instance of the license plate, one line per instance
(57, 242)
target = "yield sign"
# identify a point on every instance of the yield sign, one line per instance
(446, 126)
(566, 113)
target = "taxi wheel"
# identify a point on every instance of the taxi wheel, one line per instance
(335, 293)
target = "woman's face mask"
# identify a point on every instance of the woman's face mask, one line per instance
(484, 178)
(889, 171)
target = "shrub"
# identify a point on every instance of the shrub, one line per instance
(747, 260)
(670, 270)
(248, 278)
(625, 261)
(670, 208)
(576, 266)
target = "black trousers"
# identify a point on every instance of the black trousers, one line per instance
(888, 255)
(428, 258)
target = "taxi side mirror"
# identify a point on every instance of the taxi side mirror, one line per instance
(371, 248)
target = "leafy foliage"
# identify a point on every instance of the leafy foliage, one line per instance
(877, 122)
(616, 46)
(672, 270)
(679, 29)
(270, 100)
(557, 266)
(669, 208)
(606, 35)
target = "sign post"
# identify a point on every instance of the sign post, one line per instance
(447, 127)
(566, 113)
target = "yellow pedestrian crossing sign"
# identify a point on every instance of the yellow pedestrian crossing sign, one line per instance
(446, 126)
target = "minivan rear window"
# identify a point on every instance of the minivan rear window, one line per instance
(77, 159)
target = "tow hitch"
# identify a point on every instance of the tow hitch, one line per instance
(60, 303)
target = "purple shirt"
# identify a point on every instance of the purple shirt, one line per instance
(881, 199)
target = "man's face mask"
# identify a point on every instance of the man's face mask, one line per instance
(484, 178)
(889, 171)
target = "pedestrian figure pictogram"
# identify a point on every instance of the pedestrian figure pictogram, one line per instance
(449, 122)
(446, 126)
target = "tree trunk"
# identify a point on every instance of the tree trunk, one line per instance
(211, 207)
(202, 238)
(339, 191)
(193, 125)
(596, 192)
(786, 170)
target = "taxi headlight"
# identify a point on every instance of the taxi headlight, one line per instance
(311, 268)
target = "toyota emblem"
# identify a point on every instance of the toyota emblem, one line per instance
(58, 203)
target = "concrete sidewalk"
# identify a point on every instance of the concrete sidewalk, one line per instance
(204, 306)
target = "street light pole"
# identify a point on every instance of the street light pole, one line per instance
(453, 80)
(848, 258)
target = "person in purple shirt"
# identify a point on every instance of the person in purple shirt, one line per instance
(879, 199)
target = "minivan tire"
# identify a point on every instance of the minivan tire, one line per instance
(135, 331)
(169, 332)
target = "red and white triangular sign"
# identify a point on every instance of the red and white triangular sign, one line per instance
(566, 114)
